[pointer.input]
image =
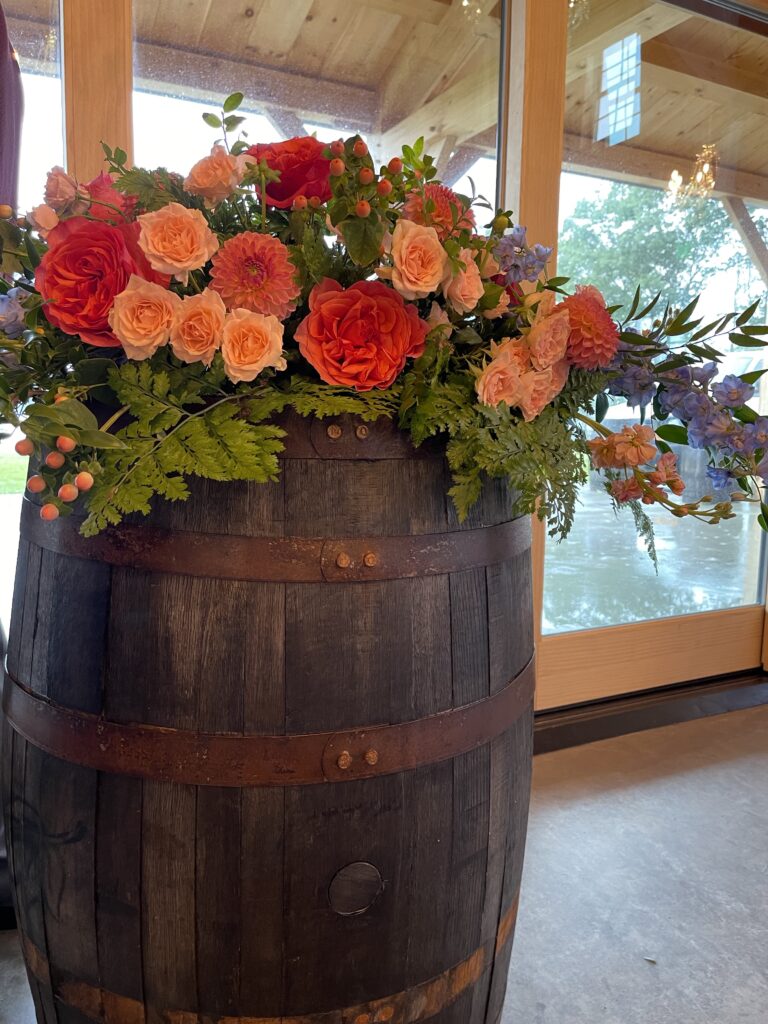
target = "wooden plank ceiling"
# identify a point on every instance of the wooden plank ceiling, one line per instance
(399, 68)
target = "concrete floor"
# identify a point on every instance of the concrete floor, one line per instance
(646, 886)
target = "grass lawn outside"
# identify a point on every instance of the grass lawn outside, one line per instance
(13, 473)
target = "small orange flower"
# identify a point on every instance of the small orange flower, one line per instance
(446, 213)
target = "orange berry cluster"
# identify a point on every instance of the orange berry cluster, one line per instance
(364, 177)
(69, 490)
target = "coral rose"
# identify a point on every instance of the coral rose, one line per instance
(176, 240)
(359, 337)
(250, 343)
(507, 377)
(464, 289)
(197, 327)
(87, 264)
(545, 386)
(215, 177)
(594, 337)
(142, 316)
(420, 261)
(440, 208)
(63, 193)
(303, 169)
(106, 203)
(254, 271)
(548, 337)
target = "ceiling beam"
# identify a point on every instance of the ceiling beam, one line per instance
(692, 74)
(749, 233)
(645, 167)
(617, 20)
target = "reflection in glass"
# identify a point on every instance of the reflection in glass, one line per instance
(701, 84)
(388, 71)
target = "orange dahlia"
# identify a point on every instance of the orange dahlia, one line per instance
(445, 206)
(254, 271)
(594, 336)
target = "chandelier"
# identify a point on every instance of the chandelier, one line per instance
(702, 181)
(578, 12)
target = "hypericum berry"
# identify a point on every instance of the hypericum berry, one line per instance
(55, 460)
(84, 481)
(315, 202)
(337, 147)
(384, 186)
(36, 484)
(5, 211)
(337, 167)
(24, 447)
(66, 444)
(365, 177)
(60, 398)
(300, 203)
(68, 492)
(363, 208)
(360, 148)
(49, 512)
(395, 165)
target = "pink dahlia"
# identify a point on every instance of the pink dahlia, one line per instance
(253, 271)
(594, 336)
(446, 208)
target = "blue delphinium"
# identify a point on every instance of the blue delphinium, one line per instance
(715, 428)
(756, 435)
(637, 384)
(720, 477)
(517, 261)
(732, 391)
(11, 314)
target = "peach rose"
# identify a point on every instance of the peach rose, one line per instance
(548, 338)
(499, 309)
(439, 318)
(420, 261)
(545, 386)
(215, 177)
(197, 328)
(506, 378)
(251, 342)
(43, 218)
(176, 240)
(141, 317)
(465, 289)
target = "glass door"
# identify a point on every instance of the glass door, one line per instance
(664, 183)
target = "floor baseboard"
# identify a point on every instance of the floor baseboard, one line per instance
(600, 720)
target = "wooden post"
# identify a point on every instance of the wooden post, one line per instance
(748, 231)
(97, 55)
(532, 115)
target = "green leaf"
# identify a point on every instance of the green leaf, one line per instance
(232, 102)
(752, 377)
(602, 405)
(32, 253)
(649, 308)
(673, 433)
(744, 342)
(120, 157)
(748, 313)
(99, 439)
(232, 122)
(212, 120)
(363, 238)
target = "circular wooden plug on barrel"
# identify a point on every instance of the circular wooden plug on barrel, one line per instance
(267, 752)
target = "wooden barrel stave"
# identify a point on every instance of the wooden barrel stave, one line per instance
(217, 904)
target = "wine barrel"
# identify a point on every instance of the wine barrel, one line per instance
(267, 752)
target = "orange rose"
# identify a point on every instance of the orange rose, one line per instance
(176, 240)
(359, 337)
(215, 177)
(141, 317)
(545, 386)
(303, 168)
(198, 326)
(420, 260)
(507, 377)
(250, 343)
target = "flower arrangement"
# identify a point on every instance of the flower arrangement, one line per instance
(155, 327)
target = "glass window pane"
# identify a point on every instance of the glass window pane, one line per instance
(390, 71)
(621, 224)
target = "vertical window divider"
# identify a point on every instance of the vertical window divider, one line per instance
(97, 72)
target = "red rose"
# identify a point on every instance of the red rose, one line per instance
(87, 264)
(359, 337)
(304, 171)
(105, 197)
